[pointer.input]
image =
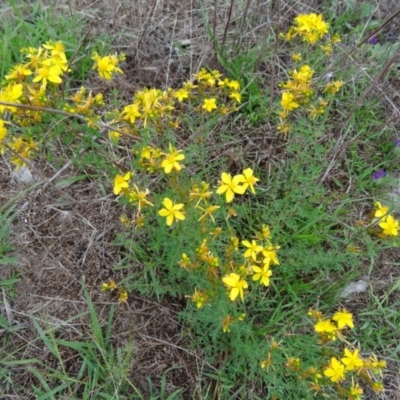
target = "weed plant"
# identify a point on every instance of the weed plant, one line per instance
(256, 256)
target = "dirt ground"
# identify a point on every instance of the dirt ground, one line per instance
(64, 236)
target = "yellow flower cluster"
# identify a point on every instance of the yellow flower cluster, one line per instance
(36, 82)
(48, 64)
(215, 85)
(338, 370)
(237, 185)
(211, 89)
(111, 286)
(131, 192)
(28, 83)
(150, 158)
(298, 91)
(333, 87)
(329, 330)
(107, 66)
(349, 365)
(258, 259)
(309, 27)
(172, 211)
(149, 105)
(388, 225)
(154, 159)
(84, 102)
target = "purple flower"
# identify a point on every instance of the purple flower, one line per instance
(397, 143)
(379, 174)
(373, 40)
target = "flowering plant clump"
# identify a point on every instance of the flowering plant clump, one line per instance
(37, 82)
(107, 66)
(208, 92)
(340, 367)
(385, 225)
(309, 27)
(112, 286)
(300, 92)
(186, 220)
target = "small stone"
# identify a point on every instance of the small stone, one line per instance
(355, 287)
(23, 175)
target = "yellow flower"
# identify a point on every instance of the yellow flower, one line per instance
(108, 286)
(48, 73)
(283, 128)
(11, 93)
(381, 210)
(267, 362)
(355, 391)
(249, 179)
(199, 298)
(252, 249)
(326, 48)
(333, 87)
(377, 387)
(123, 218)
(131, 112)
(184, 262)
(311, 27)
(209, 104)
(19, 72)
(3, 131)
(335, 371)
(236, 96)
(336, 38)
(121, 183)
(325, 326)
(235, 85)
(23, 148)
(293, 363)
(122, 295)
(270, 254)
(139, 197)
(171, 160)
(230, 186)
(375, 364)
(262, 273)
(296, 57)
(265, 232)
(181, 94)
(113, 135)
(226, 323)
(304, 75)
(208, 211)
(106, 66)
(390, 226)
(55, 47)
(235, 285)
(201, 192)
(288, 103)
(351, 360)
(171, 211)
(343, 318)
